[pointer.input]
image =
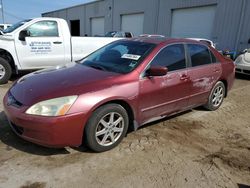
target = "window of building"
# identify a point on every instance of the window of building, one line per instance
(43, 29)
(172, 57)
(199, 54)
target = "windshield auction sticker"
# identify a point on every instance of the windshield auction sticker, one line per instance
(131, 56)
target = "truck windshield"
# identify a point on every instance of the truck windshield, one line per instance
(120, 56)
(15, 26)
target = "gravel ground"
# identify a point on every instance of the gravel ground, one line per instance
(194, 149)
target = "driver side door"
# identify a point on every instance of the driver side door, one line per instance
(43, 47)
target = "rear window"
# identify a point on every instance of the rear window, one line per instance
(199, 55)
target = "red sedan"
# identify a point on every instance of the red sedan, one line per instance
(125, 84)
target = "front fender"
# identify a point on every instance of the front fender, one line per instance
(87, 103)
(8, 46)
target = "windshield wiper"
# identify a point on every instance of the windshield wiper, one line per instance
(99, 67)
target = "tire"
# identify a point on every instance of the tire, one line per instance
(216, 96)
(5, 71)
(102, 132)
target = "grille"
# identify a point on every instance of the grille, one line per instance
(238, 70)
(246, 71)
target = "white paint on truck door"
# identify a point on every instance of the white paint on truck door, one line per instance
(97, 26)
(133, 23)
(193, 22)
(43, 48)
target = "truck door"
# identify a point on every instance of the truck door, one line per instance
(44, 47)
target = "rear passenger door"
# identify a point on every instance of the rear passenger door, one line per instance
(162, 95)
(204, 71)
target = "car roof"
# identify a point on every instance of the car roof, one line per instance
(198, 39)
(163, 40)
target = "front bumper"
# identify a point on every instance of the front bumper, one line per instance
(243, 69)
(55, 132)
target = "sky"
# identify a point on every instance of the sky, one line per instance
(16, 10)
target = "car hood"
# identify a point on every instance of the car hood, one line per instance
(7, 37)
(71, 79)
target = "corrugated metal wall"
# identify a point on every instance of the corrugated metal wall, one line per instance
(230, 29)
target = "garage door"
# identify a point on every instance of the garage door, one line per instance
(132, 23)
(97, 26)
(193, 22)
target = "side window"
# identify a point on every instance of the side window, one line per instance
(128, 35)
(172, 57)
(199, 54)
(44, 29)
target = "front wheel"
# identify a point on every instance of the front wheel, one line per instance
(5, 71)
(106, 127)
(216, 96)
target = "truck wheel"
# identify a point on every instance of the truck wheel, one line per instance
(106, 127)
(216, 96)
(5, 71)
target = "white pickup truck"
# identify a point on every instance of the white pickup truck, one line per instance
(41, 43)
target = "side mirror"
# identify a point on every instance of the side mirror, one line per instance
(23, 34)
(157, 71)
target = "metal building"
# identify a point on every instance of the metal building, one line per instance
(226, 22)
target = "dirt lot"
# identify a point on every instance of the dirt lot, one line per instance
(195, 149)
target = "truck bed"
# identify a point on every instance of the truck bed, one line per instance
(82, 46)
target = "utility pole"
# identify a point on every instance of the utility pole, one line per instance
(2, 10)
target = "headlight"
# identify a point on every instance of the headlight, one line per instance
(238, 60)
(53, 107)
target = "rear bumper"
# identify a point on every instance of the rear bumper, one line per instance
(55, 132)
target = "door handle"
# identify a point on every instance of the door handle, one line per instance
(184, 77)
(57, 42)
(216, 70)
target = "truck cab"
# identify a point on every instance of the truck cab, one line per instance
(42, 43)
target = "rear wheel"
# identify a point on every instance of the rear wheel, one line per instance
(5, 71)
(106, 127)
(216, 96)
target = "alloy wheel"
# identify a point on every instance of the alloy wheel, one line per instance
(109, 129)
(2, 71)
(218, 95)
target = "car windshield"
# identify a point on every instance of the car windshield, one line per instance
(120, 56)
(15, 26)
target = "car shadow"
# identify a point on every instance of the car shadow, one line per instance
(242, 76)
(161, 120)
(11, 140)
(20, 74)
(243, 186)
